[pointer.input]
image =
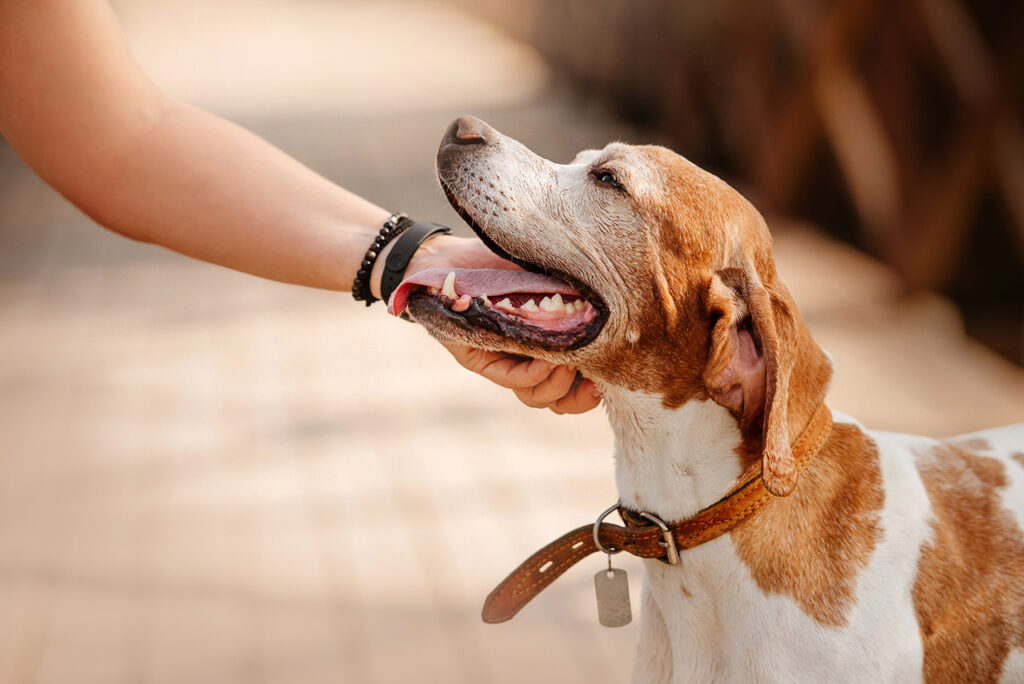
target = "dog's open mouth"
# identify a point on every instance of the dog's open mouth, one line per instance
(535, 308)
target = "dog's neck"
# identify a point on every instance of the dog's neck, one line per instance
(672, 462)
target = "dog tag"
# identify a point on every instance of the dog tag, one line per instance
(612, 589)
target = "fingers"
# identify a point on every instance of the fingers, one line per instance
(549, 390)
(537, 383)
(583, 397)
(519, 374)
(563, 391)
(503, 369)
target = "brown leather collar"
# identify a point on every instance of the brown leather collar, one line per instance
(641, 538)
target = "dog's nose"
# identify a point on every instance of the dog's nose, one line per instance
(469, 130)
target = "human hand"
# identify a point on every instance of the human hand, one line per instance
(537, 383)
(449, 251)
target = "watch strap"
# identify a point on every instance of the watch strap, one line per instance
(401, 254)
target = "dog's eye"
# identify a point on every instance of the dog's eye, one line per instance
(607, 178)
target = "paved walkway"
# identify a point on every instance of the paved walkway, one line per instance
(211, 478)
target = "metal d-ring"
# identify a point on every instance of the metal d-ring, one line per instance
(671, 552)
(597, 527)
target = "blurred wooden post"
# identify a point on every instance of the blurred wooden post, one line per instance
(914, 211)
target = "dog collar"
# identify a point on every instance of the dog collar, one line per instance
(645, 535)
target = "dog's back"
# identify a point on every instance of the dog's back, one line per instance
(969, 591)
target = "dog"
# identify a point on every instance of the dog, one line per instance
(856, 556)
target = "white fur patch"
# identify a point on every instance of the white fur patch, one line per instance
(1013, 668)
(845, 419)
(671, 462)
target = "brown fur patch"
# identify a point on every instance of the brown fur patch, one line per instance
(969, 591)
(973, 444)
(810, 545)
(1019, 458)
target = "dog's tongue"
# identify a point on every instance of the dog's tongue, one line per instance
(476, 283)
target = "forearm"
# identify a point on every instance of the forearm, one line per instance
(76, 106)
(209, 189)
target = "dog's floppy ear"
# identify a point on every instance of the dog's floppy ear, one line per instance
(756, 339)
(735, 372)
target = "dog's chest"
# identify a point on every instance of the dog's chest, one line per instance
(719, 625)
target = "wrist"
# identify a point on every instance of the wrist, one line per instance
(397, 263)
(393, 228)
(391, 256)
(422, 258)
(378, 269)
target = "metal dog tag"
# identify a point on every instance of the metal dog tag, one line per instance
(612, 587)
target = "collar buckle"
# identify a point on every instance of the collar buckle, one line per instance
(671, 552)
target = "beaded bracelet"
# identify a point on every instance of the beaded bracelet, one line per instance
(393, 227)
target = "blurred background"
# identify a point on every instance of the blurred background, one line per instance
(207, 477)
(896, 127)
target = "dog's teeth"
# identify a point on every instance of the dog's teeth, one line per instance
(505, 304)
(448, 289)
(485, 300)
(433, 290)
(530, 305)
(553, 304)
(577, 305)
(462, 303)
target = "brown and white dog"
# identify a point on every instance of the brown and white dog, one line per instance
(894, 558)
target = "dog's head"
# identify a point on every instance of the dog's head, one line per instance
(657, 277)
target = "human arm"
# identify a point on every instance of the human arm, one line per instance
(79, 110)
(75, 105)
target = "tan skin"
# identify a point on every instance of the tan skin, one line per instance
(77, 108)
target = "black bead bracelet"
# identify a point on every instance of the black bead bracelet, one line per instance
(392, 228)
